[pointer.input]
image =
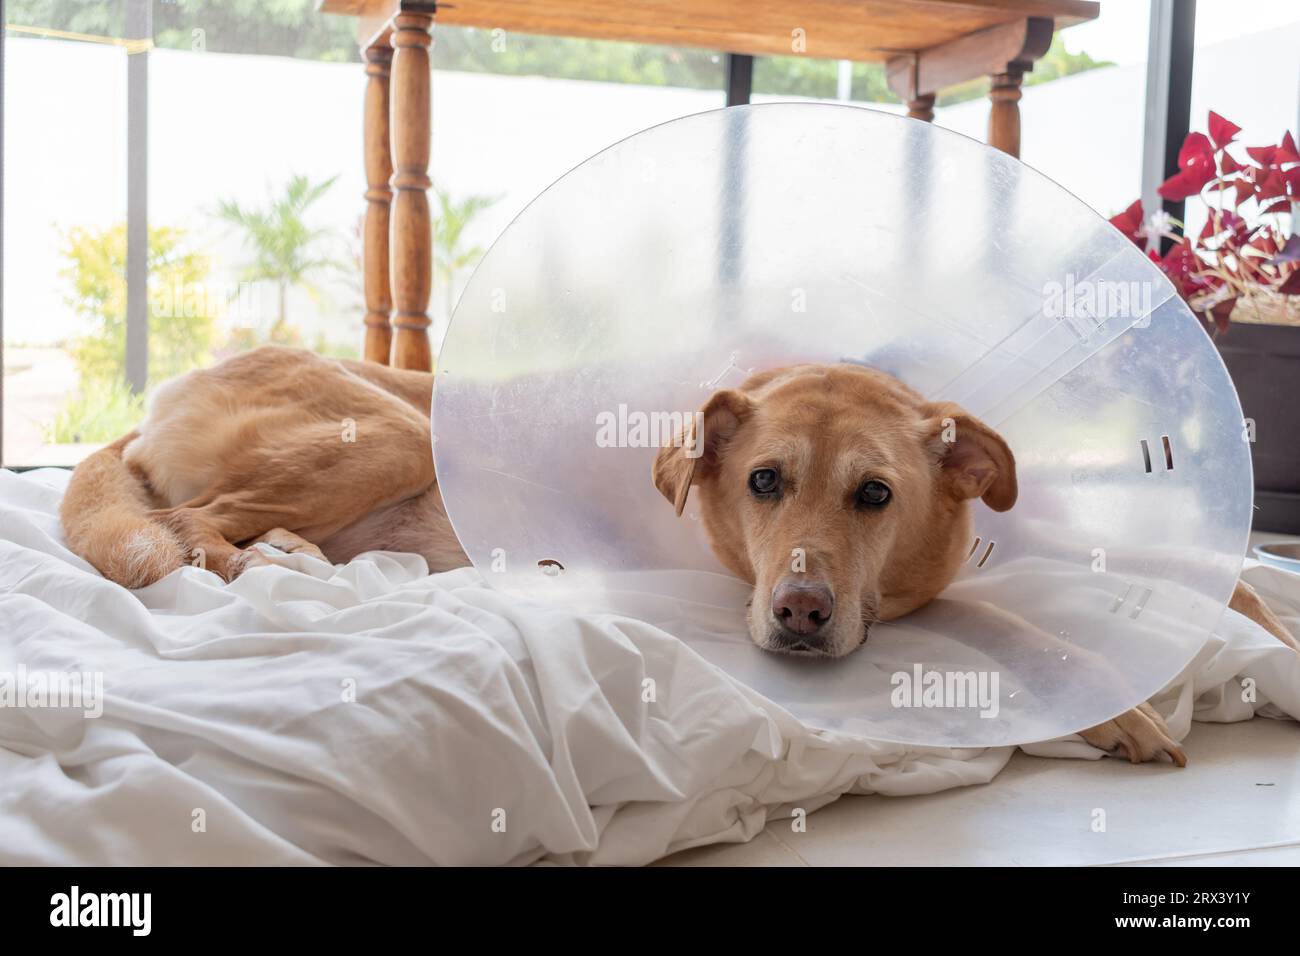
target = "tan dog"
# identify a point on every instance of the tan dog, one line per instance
(311, 454)
(849, 466)
(275, 445)
(870, 484)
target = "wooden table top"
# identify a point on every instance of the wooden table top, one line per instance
(863, 30)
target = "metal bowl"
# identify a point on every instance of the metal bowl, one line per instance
(1280, 554)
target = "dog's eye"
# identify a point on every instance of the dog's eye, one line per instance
(873, 494)
(764, 481)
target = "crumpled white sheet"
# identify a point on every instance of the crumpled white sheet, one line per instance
(480, 729)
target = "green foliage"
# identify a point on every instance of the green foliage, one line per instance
(285, 249)
(179, 339)
(100, 411)
(475, 51)
(450, 254)
(1059, 62)
(819, 79)
(1056, 63)
(100, 19)
(478, 51)
(333, 349)
(275, 27)
(278, 27)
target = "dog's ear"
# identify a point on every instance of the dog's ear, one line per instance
(976, 462)
(696, 452)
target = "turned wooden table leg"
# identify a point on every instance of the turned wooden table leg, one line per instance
(922, 107)
(379, 169)
(411, 246)
(1004, 115)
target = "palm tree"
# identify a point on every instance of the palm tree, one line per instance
(449, 257)
(286, 251)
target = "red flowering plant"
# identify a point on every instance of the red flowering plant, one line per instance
(1245, 263)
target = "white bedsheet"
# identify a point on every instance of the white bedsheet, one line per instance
(372, 713)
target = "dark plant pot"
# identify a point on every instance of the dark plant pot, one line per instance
(1264, 362)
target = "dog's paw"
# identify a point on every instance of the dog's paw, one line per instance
(1139, 734)
(240, 562)
(290, 543)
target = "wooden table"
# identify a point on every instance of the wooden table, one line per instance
(924, 44)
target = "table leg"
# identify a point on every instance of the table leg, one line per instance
(1004, 114)
(374, 238)
(411, 246)
(921, 107)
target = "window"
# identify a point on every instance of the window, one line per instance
(253, 195)
(513, 113)
(1081, 110)
(255, 180)
(1246, 68)
(255, 184)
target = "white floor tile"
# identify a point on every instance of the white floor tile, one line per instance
(1241, 791)
(1267, 856)
(763, 850)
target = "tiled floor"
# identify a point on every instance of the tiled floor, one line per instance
(1237, 802)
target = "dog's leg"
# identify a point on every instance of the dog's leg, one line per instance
(304, 480)
(1139, 734)
(209, 549)
(211, 528)
(206, 547)
(1246, 601)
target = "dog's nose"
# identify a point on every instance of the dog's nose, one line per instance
(802, 607)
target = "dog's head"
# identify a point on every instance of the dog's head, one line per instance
(839, 493)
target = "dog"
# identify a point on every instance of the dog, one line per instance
(870, 486)
(847, 463)
(276, 445)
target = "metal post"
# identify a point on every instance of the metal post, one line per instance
(2, 230)
(1170, 51)
(139, 26)
(740, 78)
(844, 81)
(731, 232)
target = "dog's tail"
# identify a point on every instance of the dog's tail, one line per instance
(106, 520)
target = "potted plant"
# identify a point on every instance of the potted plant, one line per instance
(1240, 274)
